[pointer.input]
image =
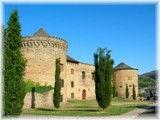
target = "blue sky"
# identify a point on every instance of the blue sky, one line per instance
(127, 29)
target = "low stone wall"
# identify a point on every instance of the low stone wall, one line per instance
(42, 100)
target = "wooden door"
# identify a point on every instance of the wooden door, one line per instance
(84, 94)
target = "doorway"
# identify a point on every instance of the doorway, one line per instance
(84, 94)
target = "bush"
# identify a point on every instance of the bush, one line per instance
(146, 82)
(38, 88)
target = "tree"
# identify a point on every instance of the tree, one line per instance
(57, 86)
(151, 94)
(134, 93)
(114, 91)
(103, 72)
(14, 66)
(127, 91)
(144, 81)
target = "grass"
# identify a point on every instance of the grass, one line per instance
(88, 108)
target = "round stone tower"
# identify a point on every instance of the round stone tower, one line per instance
(123, 76)
(41, 51)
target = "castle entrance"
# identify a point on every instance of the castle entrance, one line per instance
(84, 94)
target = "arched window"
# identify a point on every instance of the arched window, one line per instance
(72, 84)
(72, 71)
(83, 94)
(83, 74)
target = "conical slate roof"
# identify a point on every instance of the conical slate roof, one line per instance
(70, 59)
(123, 66)
(41, 33)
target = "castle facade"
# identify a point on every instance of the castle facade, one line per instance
(77, 78)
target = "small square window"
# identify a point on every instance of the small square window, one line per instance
(62, 83)
(120, 86)
(129, 78)
(61, 98)
(93, 76)
(83, 75)
(72, 95)
(72, 84)
(61, 67)
(72, 71)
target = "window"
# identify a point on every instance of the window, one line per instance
(61, 67)
(120, 86)
(61, 98)
(72, 84)
(72, 95)
(129, 78)
(93, 76)
(83, 75)
(62, 83)
(130, 85)
(72, 71)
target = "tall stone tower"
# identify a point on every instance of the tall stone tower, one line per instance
(41, 51)
(125, 75)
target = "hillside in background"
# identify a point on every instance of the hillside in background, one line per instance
(151, 74)
(147, 79)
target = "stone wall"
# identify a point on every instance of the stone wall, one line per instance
(41, 53)
(80, 84)
(42, 100)
(123, 77)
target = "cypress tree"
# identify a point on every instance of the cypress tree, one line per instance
(57, 86)
(134, 93)
(103, 72)
(127, 91)
(114, 91)
(14, 66)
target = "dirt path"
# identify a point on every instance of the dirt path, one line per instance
(143, 112)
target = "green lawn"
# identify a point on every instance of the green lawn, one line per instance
(88, 108)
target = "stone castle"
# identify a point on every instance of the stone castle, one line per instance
(41, 50)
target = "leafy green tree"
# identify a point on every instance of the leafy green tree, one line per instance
(103, 72)
(57, 86)
(151, 94)
(134, 93)
(14, 66)
(127, 91)
(144, 81)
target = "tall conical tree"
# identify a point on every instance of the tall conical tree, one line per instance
(134, 93)
(103, 72)
(127, 91)
(114, 91)
(57, 86)
(14, 66)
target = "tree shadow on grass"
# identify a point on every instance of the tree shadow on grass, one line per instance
(56, 110)
(82, 107)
